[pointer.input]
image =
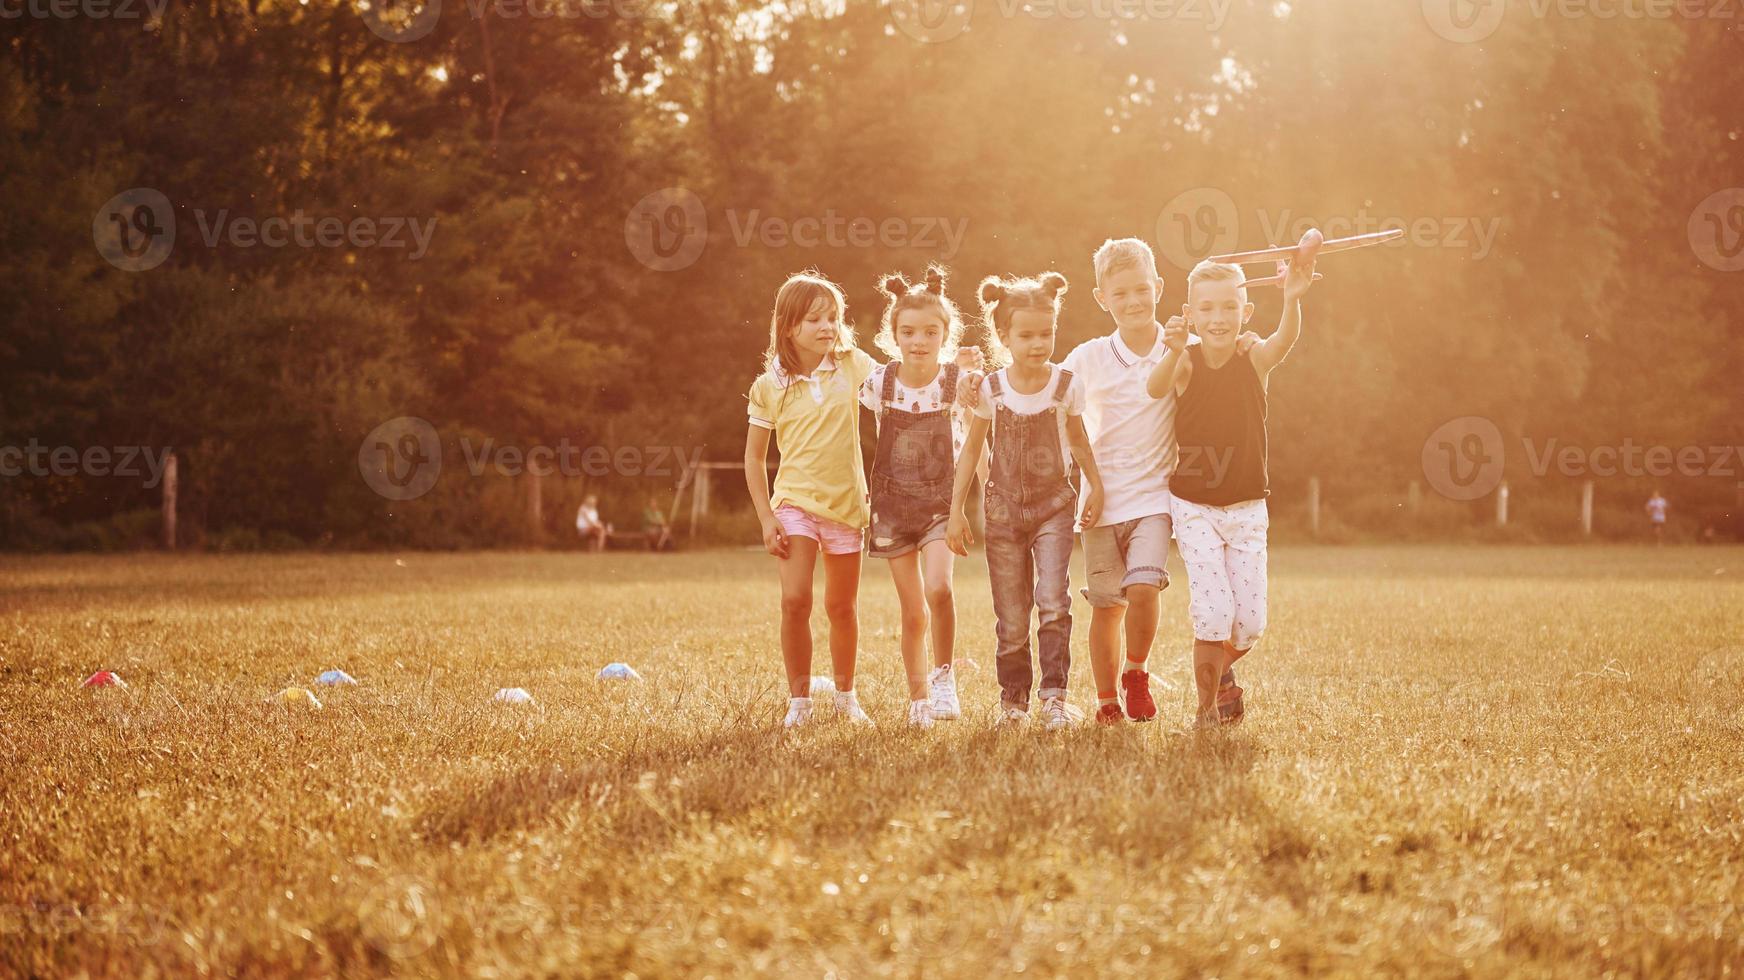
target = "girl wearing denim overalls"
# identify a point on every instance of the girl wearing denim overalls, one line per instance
(918, 439)
(1033, 409)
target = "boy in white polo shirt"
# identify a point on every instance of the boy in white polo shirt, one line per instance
(1132, 436)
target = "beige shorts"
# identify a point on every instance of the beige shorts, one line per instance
(1119, 556)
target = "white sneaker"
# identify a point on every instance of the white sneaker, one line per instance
(920, 714)
(848, 706)
(943, 682)
(1057, 714)
(798, 712)
(1013, 718)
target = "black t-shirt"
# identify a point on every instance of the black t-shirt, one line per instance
(1220, 426)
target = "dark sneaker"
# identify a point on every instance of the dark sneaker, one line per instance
(1229, 706)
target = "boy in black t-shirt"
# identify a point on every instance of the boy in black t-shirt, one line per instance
(1220, 483)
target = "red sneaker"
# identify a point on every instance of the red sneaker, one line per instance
(1109, 714)
(1139, 705)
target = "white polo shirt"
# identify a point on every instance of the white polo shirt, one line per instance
(1131, 434)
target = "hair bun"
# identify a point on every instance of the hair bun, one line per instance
(992, 290)
(894, 284)
(935, 279)
(1053, 284)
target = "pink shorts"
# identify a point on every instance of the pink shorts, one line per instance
(834, 537)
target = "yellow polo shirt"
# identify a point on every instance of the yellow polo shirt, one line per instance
(816, 421)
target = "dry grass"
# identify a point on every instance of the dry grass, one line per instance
(1456, 761)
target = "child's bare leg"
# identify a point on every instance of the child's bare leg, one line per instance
(1210, 658)
(796, 573)
(1144, 608)
(938, 566)
(841, 598)
(905, 573)
(1105, 633)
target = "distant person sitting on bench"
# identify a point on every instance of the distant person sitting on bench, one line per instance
(593, 530)
(654, 526)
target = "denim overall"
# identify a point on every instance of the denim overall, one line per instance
(1030, 506)
(912, 471)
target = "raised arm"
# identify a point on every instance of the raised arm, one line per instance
(1269, 353)
(957, 534)
(1167, 374)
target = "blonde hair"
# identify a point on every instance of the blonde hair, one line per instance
(926, 294)
(1116, 254)
(1000, 298)
(792, 302)
(1209, 271)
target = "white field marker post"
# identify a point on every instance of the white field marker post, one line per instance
(1587, 508)
(169, 501)
(535, 506)
(1502, 505)
(1314, 505)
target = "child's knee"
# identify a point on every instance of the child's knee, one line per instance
(940, 596)
(1248, 629)
(796, 605)
(915, 619)
(839, 608)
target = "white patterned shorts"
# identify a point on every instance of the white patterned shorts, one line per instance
(1224, 549)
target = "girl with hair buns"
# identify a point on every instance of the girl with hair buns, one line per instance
(1033, 409)
(919, 436)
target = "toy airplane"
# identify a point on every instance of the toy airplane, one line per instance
(1313, 244)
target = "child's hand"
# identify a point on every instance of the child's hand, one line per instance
(775, 538)
(957, 535)
(1175, 332)
(1092, 509)
(969, 388)
(1246, 342)
(1298, 276)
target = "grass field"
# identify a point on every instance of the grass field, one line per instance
(1456, 761)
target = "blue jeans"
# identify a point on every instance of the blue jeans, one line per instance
(1029, 558)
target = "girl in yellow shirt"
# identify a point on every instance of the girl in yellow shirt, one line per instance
(807, 396)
